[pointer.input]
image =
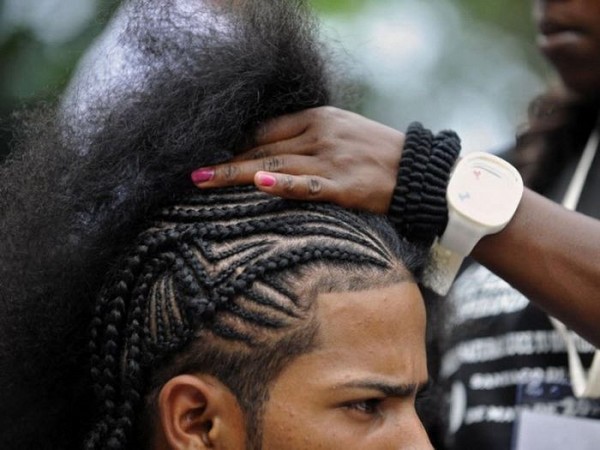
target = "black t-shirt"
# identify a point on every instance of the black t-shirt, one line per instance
(495, 340)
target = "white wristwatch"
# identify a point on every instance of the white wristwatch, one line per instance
(483, 194)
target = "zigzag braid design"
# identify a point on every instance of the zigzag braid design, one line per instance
(264, 299)
(214, 270)
(344, 229)
(276, 285)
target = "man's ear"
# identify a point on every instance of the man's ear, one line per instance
(198, 412)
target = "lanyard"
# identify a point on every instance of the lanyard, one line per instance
(584, 384)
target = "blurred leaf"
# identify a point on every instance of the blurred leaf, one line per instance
(338, 6)
(511, 15)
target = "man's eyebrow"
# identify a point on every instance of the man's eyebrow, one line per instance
(388, 389)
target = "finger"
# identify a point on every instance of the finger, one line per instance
(242, 172)
(298, 145)
(298, 187)
(284, 127)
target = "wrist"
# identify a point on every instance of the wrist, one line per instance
(418, 207)
(482, 197)
(386, 195)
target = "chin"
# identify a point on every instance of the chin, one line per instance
(583, 83)
(579, 73)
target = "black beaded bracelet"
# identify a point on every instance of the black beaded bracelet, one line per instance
(419, 210)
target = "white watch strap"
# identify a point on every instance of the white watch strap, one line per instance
(442, 269)
(483, 194)
(447, 254)
(459, 236)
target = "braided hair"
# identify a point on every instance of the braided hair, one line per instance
(78, 255)
(225, 284)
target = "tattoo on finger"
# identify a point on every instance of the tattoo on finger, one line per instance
(230, 173)
(272, 164)
(314, 186)
(288, 183)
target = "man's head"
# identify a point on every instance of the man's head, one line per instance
(250, 322)
(184, 298)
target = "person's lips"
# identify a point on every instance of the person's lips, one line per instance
(554, 35)
(548, 27)
(555, 32)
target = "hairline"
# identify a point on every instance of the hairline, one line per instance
(309, 330)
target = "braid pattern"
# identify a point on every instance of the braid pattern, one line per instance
(193, 82)
(212, 267)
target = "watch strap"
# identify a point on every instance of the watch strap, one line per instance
(460, 237)
(447, 254)
(442, 269)
(483, 195)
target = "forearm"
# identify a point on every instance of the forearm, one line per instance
(553, 256)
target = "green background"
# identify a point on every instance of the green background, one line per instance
(34, 69)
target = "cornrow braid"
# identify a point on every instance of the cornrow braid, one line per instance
(199, 282)
(235, 266)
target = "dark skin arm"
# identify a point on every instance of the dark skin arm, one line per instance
(550, 254)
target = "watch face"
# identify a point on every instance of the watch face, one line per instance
(485, 189)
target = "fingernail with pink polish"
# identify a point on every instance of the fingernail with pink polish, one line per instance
(202, 175)
(266, 180)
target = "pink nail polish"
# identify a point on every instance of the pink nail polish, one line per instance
(266, 180)
(202, 175)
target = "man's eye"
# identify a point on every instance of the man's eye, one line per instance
(369, 407)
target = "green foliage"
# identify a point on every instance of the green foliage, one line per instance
(31, 70)
(338, 6)
(513, 15)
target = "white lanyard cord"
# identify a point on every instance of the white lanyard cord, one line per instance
(571, 198)
(584, 384)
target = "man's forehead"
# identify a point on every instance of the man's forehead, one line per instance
(372, 337)
(367, 307)
(388, 320)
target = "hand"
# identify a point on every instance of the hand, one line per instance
(320, 154)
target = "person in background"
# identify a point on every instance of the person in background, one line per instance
(494, 339)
